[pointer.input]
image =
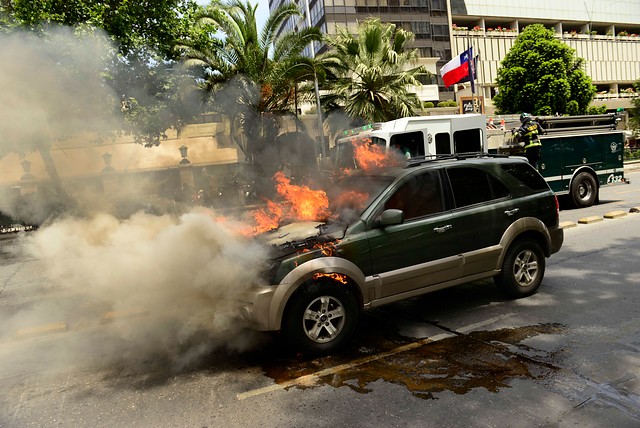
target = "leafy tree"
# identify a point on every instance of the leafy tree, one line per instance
(634, 113)
(251, 75)
(368, 73)
(153, 25)
(51, 38)
(541, 75)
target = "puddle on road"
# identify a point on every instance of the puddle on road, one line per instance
(483, 359)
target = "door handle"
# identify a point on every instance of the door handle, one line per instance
(512, 212)
(442, 229)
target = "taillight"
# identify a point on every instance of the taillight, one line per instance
(557, 207)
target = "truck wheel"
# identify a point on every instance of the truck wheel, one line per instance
(522, 269)
(320, 318)
(584, 190)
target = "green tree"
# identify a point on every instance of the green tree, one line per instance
(541, 75)
(251, 75)
(58, 49)
(153, 25)
(634, 113)
(369, 73)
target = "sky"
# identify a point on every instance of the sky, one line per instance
(262, 13)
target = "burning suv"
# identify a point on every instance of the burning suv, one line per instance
(400, 232)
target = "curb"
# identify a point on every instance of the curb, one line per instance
(595, 219)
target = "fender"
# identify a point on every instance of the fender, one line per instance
(521, 226)
(302, 274)
(588, 169)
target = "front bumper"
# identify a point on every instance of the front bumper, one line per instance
(255, 307)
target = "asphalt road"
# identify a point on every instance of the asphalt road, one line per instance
(570, 355)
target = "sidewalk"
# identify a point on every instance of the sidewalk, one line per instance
(632, 166)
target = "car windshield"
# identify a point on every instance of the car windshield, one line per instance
(350, 196)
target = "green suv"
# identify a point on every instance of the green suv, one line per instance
(400, 232)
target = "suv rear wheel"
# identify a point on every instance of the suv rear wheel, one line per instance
(522, 269)
(320, 318)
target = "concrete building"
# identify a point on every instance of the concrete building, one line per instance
(605, 33)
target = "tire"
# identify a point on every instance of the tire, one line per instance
(320, 318)
(522, 269)
(584, 190)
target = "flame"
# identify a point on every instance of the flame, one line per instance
(267, 218)
(305, 203)
(352, 198)
(327, 249)
(334, 276)
(300, 203)
(369, 155)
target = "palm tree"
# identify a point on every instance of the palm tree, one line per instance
(251, 75)
(369, 73)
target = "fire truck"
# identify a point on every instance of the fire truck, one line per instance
(579, 154)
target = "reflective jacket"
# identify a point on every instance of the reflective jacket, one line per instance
(528, 133)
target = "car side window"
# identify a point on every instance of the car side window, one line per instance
(527, 176)
(418, 196)
(472, 186)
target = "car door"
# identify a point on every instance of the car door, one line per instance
(483, 211)
(421, 250)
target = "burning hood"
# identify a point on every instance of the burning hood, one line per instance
(299, 235)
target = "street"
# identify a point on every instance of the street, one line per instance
(467, 356)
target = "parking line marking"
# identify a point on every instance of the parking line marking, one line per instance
(312, 378)
(56, 327)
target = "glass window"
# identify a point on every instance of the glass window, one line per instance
(527, 176)
(418, 196)
(410, 144)
(468, 141)
(472, 186)
(443, 143)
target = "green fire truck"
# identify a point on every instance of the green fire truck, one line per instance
(579, 154)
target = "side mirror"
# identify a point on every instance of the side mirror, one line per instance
(391, 217)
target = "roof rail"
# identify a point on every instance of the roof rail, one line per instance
(419, 160)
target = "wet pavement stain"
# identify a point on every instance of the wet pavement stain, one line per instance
(461, 363)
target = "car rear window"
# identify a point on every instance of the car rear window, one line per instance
(472, 186)
(527, 176)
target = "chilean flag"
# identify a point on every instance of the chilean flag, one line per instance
(458, 68)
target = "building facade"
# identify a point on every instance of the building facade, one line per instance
(605, 33)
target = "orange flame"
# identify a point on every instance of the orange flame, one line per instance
(306, 203)
(370, 156)
(300, 203)
(334, 276)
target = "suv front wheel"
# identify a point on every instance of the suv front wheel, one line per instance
(320, 318)
(522, 269)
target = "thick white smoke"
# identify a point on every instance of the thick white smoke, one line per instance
(179, 276)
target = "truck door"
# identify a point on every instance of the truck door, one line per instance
(438, 138)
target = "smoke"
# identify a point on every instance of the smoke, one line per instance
(133, 287)
(148, 289)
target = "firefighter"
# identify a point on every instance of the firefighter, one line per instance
(528, 137)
